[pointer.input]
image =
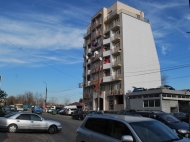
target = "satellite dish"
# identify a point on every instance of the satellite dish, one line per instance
(100, 58)
(96, 52)
(86, 57)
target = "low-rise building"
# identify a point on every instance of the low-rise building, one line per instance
(159, 99)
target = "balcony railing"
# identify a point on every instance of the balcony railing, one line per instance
(116, 12)
(116, 63)
(117, 77)
(116, 50)
(115, 37)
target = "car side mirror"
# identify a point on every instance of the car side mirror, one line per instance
(42, 119)
(127, 138)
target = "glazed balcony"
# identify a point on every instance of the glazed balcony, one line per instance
(117, 77)
(116, 50)
(116, 64)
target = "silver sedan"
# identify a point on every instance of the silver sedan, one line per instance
(29, 122)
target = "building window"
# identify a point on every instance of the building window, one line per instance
(111, 103)
(151, 103)
(157, 103)
(145, 103)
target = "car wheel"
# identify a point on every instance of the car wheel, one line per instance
(12, 128)
(52, 129)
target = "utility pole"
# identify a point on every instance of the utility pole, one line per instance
(45, 102)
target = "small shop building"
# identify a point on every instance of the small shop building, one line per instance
(159, 100)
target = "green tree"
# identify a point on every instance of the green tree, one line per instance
(3, 95)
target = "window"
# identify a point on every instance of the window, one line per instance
(151, 103)
(145, 103)
(118, 86)
(118, 71)
(99, 125)
(111, 106)
(117, 44)
(111, 86)
(35, 118)
(24, 117)
(118, 58)
(118, 129)
(157, 103)
(117, 20)
(117, 32)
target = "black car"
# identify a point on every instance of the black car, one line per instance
(181, 116)
(79, 114)
(180, 127)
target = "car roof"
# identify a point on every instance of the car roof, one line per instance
(126, 118)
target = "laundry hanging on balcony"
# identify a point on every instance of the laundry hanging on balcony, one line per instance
(95, 43)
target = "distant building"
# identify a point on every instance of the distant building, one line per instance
(159, 99)
(119, 52)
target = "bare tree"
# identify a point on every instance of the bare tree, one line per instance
(66, 101)
(164, 79)
(52, 101)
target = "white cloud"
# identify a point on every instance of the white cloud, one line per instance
(165, 49)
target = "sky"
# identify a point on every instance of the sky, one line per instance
(41, 43)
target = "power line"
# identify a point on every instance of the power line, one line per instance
(37, 59)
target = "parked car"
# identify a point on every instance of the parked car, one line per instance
(63, 112)
(181, 116)
(79, 114)
(122, 128)
(181, 128)
(37, 109)
(166, 87)
(7, 110)
(70, 111)
(29, 122)
(139, 89)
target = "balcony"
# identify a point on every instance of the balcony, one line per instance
(89, 72)
(110, 93)
(107, 79)
(89, 61)
(98, 33)
(116, 50)
(116, 13)
(116, 25)
(112, 16)
(117, 77)
(96, 57)
(116, 38)
(118, 92)
(86, 35)
(93, 70)
(116, 64)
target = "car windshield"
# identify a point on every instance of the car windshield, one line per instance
(153, 131)
(169, 118)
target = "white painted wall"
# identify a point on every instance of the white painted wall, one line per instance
(139, 55)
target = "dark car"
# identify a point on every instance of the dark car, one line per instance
(139, 89)
(181, 116)
(7, 110)
(180, 127)
(79, 114)
(166, 87)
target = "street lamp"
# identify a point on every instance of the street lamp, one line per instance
(46, 95)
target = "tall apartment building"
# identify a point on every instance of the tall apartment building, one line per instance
(119, 53)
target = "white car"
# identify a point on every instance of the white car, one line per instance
(70, 111)
(28, 121)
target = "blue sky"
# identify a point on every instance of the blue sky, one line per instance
(42, 41)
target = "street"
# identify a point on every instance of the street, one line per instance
(67, 134)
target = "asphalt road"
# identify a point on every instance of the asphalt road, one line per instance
(67, 134)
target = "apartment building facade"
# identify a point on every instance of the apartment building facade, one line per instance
(119, 53)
